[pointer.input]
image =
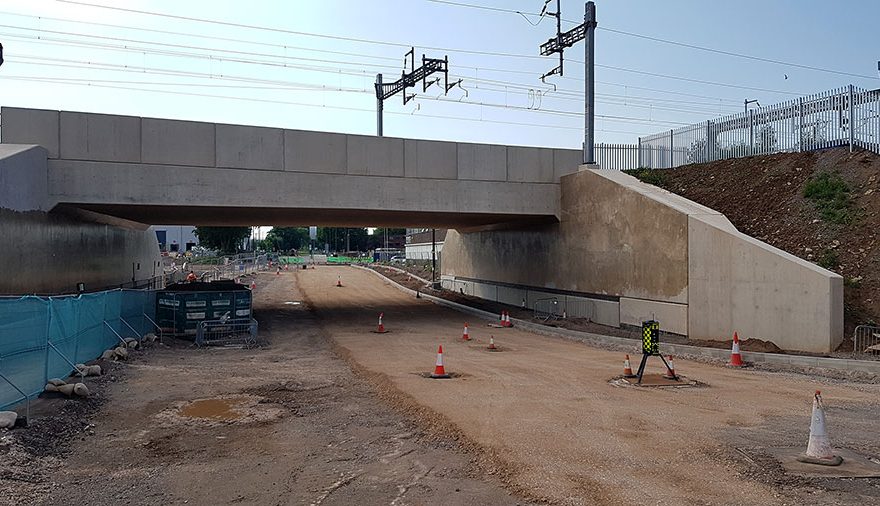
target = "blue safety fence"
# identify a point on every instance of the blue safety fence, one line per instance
(43, 337)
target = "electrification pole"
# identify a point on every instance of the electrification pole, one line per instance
(557, 44)
(409, 79)
(378, 105)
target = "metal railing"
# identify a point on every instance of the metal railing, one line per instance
(866, 341)
(233, 332)
(848, 116)
(231, 268)
(547, 309)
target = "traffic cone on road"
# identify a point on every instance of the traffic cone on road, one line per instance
(735, 357)
(505, 319)
(670, 369)
(464, 335)
(492, 346)
(819, 449)
(339, 281)
(380, 329)
(439, 370)
(627, 368)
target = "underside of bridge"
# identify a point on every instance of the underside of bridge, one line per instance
(291, 216)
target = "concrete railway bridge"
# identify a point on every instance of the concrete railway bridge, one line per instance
(77, 191)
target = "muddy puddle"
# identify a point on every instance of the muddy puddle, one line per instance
(214, 409)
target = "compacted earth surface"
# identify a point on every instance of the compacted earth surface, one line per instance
(327, 411)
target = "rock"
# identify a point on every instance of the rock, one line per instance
(120, 353)
(7, 419)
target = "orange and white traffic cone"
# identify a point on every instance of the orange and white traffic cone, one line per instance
(464, 335)
(735, 357)
(339, 281)
(380, 329)
(505, 319)
(819, 449)
(670, 369)
(254, 285)
(439, 370)
(627, 368)
(492, 346)
(501, 319)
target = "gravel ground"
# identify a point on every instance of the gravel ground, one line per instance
(543, 417)
(287, 423)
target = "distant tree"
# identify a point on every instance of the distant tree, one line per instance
(336, 238)
(287, 238)
(225, 239)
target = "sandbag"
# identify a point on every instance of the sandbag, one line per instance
(121, 353)
(132, 343)
(57, 382)
(109, 354)
(81, 390)
(87, 370)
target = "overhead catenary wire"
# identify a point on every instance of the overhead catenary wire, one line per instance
(286, 102)
(697, 47)
(286, 47)
(395, 44)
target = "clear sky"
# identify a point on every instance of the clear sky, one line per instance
(74, 56)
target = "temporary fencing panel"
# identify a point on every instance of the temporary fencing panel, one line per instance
(43, 337)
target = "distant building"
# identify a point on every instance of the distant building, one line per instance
(418, 243)
(177, 238)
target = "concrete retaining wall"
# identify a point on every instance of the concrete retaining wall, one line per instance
(47, 253)
(662, 256)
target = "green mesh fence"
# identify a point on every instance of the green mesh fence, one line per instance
(40, 337)
(349, 260)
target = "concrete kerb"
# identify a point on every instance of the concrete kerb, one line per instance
(630, 345)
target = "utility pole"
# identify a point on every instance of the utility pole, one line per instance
(746, 103)
(557, 44)
(409, 79)
(433, 257)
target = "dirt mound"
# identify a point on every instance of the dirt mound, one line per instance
(836, 226)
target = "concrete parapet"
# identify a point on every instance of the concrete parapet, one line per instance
(246, 147)
(129, 139)
(23, 178)
(178, 142)
(99, 137)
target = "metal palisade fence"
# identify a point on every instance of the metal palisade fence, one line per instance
(848, 116)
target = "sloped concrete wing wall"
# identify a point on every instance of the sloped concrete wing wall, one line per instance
(655, 254)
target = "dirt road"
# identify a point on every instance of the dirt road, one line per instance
(546, 418)
(286, 424)
(292, 423)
